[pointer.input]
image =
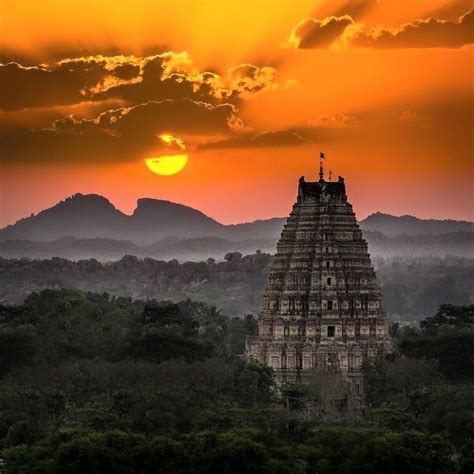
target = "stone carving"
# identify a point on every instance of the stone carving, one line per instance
(323, 307)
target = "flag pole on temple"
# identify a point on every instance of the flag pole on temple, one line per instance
(321, 168)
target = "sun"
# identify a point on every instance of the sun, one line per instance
(166, 165)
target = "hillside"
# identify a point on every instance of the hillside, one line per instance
(91, 215)
(412, 288)
(94, 217)
(410, 225)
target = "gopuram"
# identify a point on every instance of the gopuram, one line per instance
(322, 307)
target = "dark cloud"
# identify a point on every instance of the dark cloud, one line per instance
(126, 71)
(311, 33)
(66, 82)
(152, 87)
(430, 33)
(178, 116)
(38, 86)
(124, 134)
(268, 139)
(169, 79)
(127, 78)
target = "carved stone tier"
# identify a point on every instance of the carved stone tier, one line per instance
(323, 306)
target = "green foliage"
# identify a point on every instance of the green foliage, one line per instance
(93, 383)
(447, 337)
(459, 316)
(326, 451)
(416, 287)
(413, 287)
(428, 385)
(397, 379)
(16, 346)
(359, 451)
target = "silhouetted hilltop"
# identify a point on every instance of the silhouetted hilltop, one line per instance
(158, 218)
(259, 229)
(410, 225)
(93, 216)
(81, 215)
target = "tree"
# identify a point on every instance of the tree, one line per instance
(17, 346)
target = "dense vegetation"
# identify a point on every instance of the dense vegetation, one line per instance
(93, 383)
(413, 288)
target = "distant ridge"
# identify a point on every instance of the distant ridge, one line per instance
(392, 226)
(93, 216)
(85, 215)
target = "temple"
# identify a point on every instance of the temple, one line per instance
(322, 307)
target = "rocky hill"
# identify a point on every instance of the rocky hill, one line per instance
(90, 226)
(410, 225)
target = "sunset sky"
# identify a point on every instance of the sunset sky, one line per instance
(252, 90)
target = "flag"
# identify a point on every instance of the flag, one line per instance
(322, 155)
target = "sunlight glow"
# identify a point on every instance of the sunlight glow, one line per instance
(166, 165)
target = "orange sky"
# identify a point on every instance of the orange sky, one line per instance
(384, 87)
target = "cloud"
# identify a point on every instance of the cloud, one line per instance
(268, 139)
(311, 33)
(429, 33)
(123, 134)
(179, 79)
(133, 79)
(170, 115)
(66, 82)
(335, 121)
(326, 127)
(410, 117)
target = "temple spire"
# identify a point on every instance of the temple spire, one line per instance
(321, 167)
(307, 322)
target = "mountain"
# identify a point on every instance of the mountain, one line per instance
(259, 229)
(460, 244)
(91, 216)
(155, 219)
(94, 217)
(80, 215)
(409, 225)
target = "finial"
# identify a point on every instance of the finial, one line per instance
(321, 168)
(330, 175)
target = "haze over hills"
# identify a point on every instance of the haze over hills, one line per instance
(89, 226)
(410, 225)
(202, 248)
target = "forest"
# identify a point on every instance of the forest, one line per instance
(98, 383)
(413, 288)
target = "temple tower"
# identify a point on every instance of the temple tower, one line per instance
(322, 307)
